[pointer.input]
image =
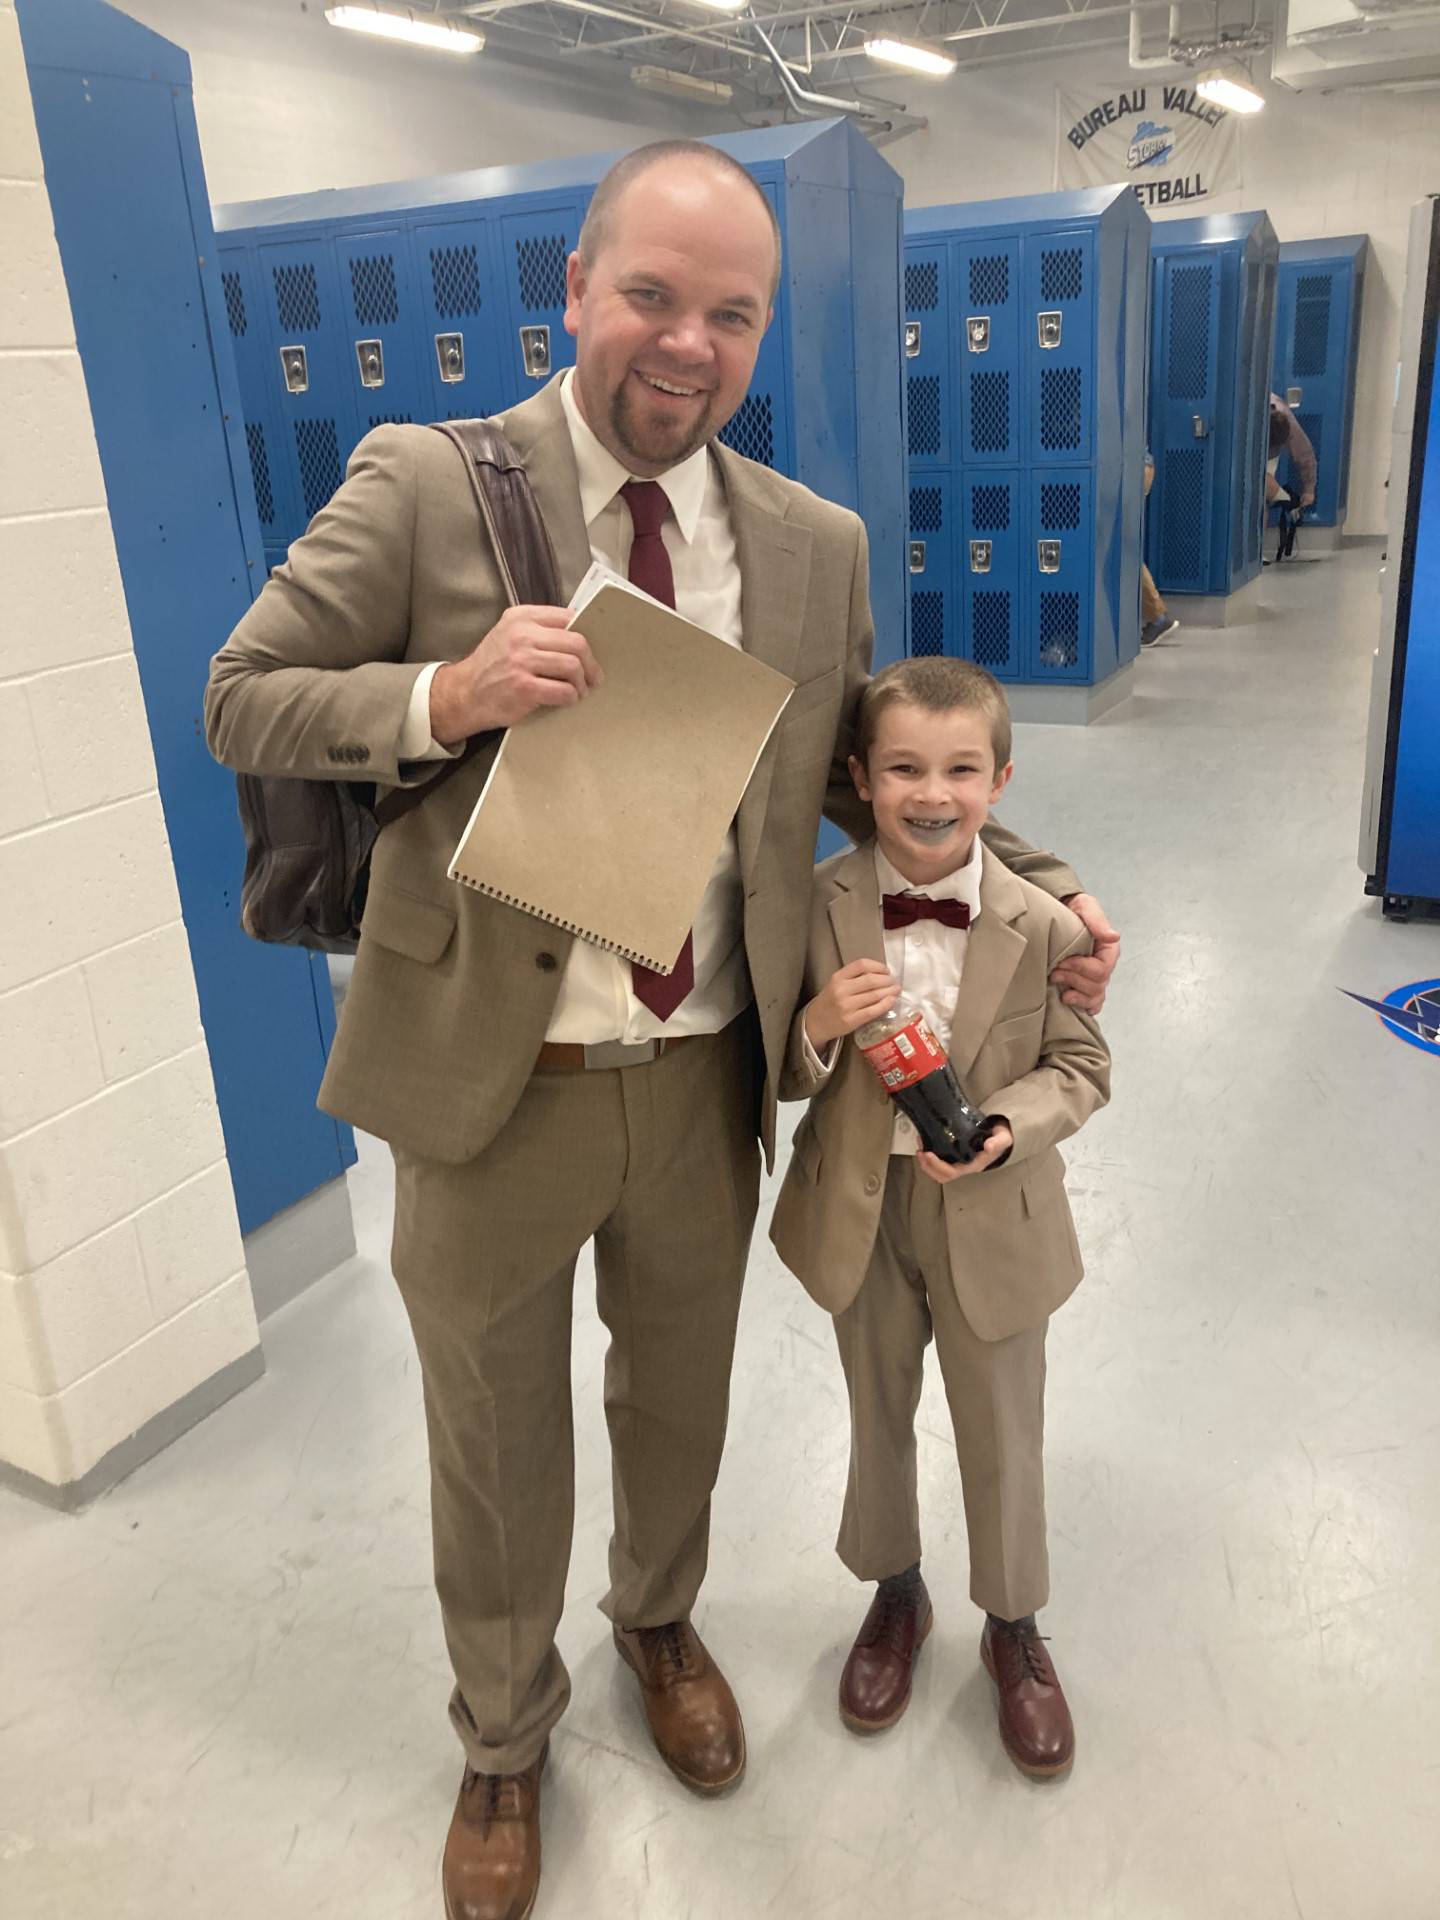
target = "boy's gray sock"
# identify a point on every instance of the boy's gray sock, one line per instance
(902, 1586)
(1026, 1623)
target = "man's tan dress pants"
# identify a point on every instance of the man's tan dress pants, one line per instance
(659, 1165)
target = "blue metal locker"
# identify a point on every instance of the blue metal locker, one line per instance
(485, 254)
(1040, 449)
(1212, 322)
(113, 105)
(1319, 290)
(931, 560)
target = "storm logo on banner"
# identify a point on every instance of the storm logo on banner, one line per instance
(1166, 143)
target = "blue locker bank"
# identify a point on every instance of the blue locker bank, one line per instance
(1025, 372)
(1318, 293)
(1212, 326)
(444, 299)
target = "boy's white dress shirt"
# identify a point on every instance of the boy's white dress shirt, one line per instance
(596, 1001)
(927, 959)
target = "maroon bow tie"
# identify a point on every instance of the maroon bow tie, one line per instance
(904, 909)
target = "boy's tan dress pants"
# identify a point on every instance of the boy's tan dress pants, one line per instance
(996, 1391)
(659, 1165)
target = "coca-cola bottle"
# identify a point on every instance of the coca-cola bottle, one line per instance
(915, 1073)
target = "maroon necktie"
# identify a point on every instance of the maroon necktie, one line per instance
(650, 570)
(904, 909)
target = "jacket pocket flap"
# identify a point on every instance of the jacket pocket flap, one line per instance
(420, 929)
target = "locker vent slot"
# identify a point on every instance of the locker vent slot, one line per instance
(1060, 507)
(1059, 629)
(989, 412)
(1312, 323)
(455, 276)
(990, 509)
(1060, 408)
(297, 299)
(392, 419)
(260, 473)
(540, 266)
(1184, 513)
(319, 453)
(751, 431)
(922, 286)
(989, 280)
(235, 304)
(1190, 332)
(1062, 273)
(990, 629)
(459, 413)
(924, 413)
(372, 281)
(927, 622)
(926, 511)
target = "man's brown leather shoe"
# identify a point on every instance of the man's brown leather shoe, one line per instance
(1035, 1722)
(491, 1869)
(692, 1712)
(875, 1686)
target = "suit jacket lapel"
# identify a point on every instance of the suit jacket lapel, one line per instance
(774, 559)
(855, 907)
(541, 437)
(993, 951)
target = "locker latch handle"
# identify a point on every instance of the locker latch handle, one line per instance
(535, 348)
(977, 332)
(450, 352)
(917, 556)
(1049, 327)
(1048, 555)
(1294, 396)
(980, 556)
(370, 355)
(295, 368)
(913, 335)
(1201, 427)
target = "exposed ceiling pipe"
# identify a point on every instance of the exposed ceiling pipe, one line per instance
(811, 104)
(1150, 62)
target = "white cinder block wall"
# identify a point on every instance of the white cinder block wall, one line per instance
(286, 103)
(123, 1289)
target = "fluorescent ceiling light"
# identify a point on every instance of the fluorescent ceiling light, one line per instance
(685, 86)
(724, 6)
(404, 26)
(906, 53)
(1232, 90)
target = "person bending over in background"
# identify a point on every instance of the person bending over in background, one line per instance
(1288, 436)
(1156, 620)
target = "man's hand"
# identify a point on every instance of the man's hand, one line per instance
(1307, 500)
(528, 659)
(856, 994)
(1085, 979)
(998, 1141)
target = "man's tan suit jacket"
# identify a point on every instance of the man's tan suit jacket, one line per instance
(452, 992)
(1019, 1052)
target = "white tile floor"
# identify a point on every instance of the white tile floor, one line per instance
(222, 1690)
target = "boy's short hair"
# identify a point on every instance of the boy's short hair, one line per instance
(938, 685)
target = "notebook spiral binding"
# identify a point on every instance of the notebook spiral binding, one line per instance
(553, 919)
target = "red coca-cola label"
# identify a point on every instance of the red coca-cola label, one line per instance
(906, 1056)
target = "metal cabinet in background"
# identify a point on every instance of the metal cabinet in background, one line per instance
(1319, 288)
(1025, 365)
(1212, 325)
(445, 299)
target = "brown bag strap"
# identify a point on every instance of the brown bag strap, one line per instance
(521, 545)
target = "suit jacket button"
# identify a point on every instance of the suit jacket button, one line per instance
(872, 1183)
(546, 962)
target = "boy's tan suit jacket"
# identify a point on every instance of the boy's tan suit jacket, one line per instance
(1018, 1050)
(452, 992)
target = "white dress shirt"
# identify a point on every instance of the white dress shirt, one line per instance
(927, 959)
(596, 1001)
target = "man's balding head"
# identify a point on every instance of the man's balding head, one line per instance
(599, 218)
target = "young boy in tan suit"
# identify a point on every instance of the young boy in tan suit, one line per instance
(899, 1245)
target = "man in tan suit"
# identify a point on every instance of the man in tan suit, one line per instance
(535, 1094)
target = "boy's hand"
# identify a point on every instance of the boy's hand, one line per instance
(857, 993)
(997, 1142)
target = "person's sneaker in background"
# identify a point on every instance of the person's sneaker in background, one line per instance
(1156, 629)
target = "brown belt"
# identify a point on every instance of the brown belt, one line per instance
(565, 1056)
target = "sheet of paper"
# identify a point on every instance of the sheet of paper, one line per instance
(607, 817)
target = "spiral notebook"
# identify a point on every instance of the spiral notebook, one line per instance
(607, 817)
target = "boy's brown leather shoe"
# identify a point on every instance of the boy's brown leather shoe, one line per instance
(491, 1869)
(875, 1686)
(692, 1713)
(1035, 1722)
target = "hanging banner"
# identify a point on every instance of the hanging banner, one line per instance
(1166, 142)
